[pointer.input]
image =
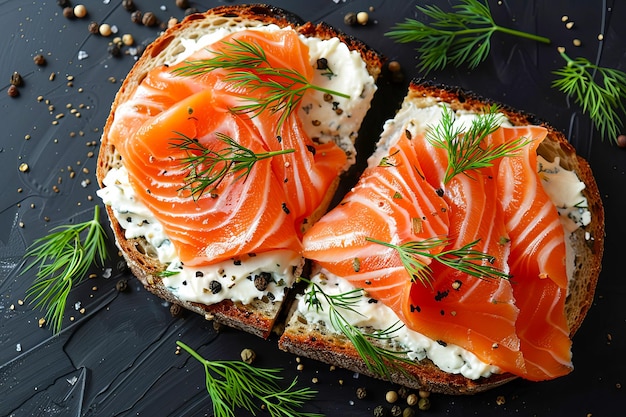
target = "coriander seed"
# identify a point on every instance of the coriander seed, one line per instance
(105, 29)
(391, 397)
(127, 39)
(362, 18)
(80, 11)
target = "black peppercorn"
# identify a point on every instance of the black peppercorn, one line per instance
(262, 280)
(39, 60)
(114, 50)
(183, 4)
(93, 27)
(129, 5)
(12, 91)
(350, 18)
(16, 79)
(68, 12)
(136, 16)
(149, 19)
(215, 287)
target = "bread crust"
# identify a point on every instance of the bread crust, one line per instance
(259, 316)
(317, 342)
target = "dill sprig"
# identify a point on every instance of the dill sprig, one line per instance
(62, 260)
(601, 101)
(247, 66)
(378, 360)
(464, 259)
(462, 36)
(208, 167)
(465, 148)
(237, 384)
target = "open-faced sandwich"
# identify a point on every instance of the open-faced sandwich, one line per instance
(466, 255)
(224, 144)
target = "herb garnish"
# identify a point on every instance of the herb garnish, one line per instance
(465, 149)
(208, 167)
(378, 360)
(237, 384)
(247, 67)
(463, 37)
(63, 260)
(464, 259)
(600, 101)
(459, 37)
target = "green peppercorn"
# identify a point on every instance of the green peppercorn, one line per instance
(423, 404)
(379, 411)
(396, 411)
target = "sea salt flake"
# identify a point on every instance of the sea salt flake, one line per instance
(18, 347)
(82, 55)
(107, 273)
(72, 380)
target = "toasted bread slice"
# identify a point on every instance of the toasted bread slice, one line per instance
(319, 340)
(259, 314)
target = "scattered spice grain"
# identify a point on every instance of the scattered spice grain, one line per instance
(248, 356)
(13, 91)
(350, 19)
(39, 60)
(80, 11)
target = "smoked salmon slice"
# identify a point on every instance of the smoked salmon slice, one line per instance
(265, 210)
(537, 261)
(516, 324)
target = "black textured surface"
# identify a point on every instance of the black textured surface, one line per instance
(117, 356)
